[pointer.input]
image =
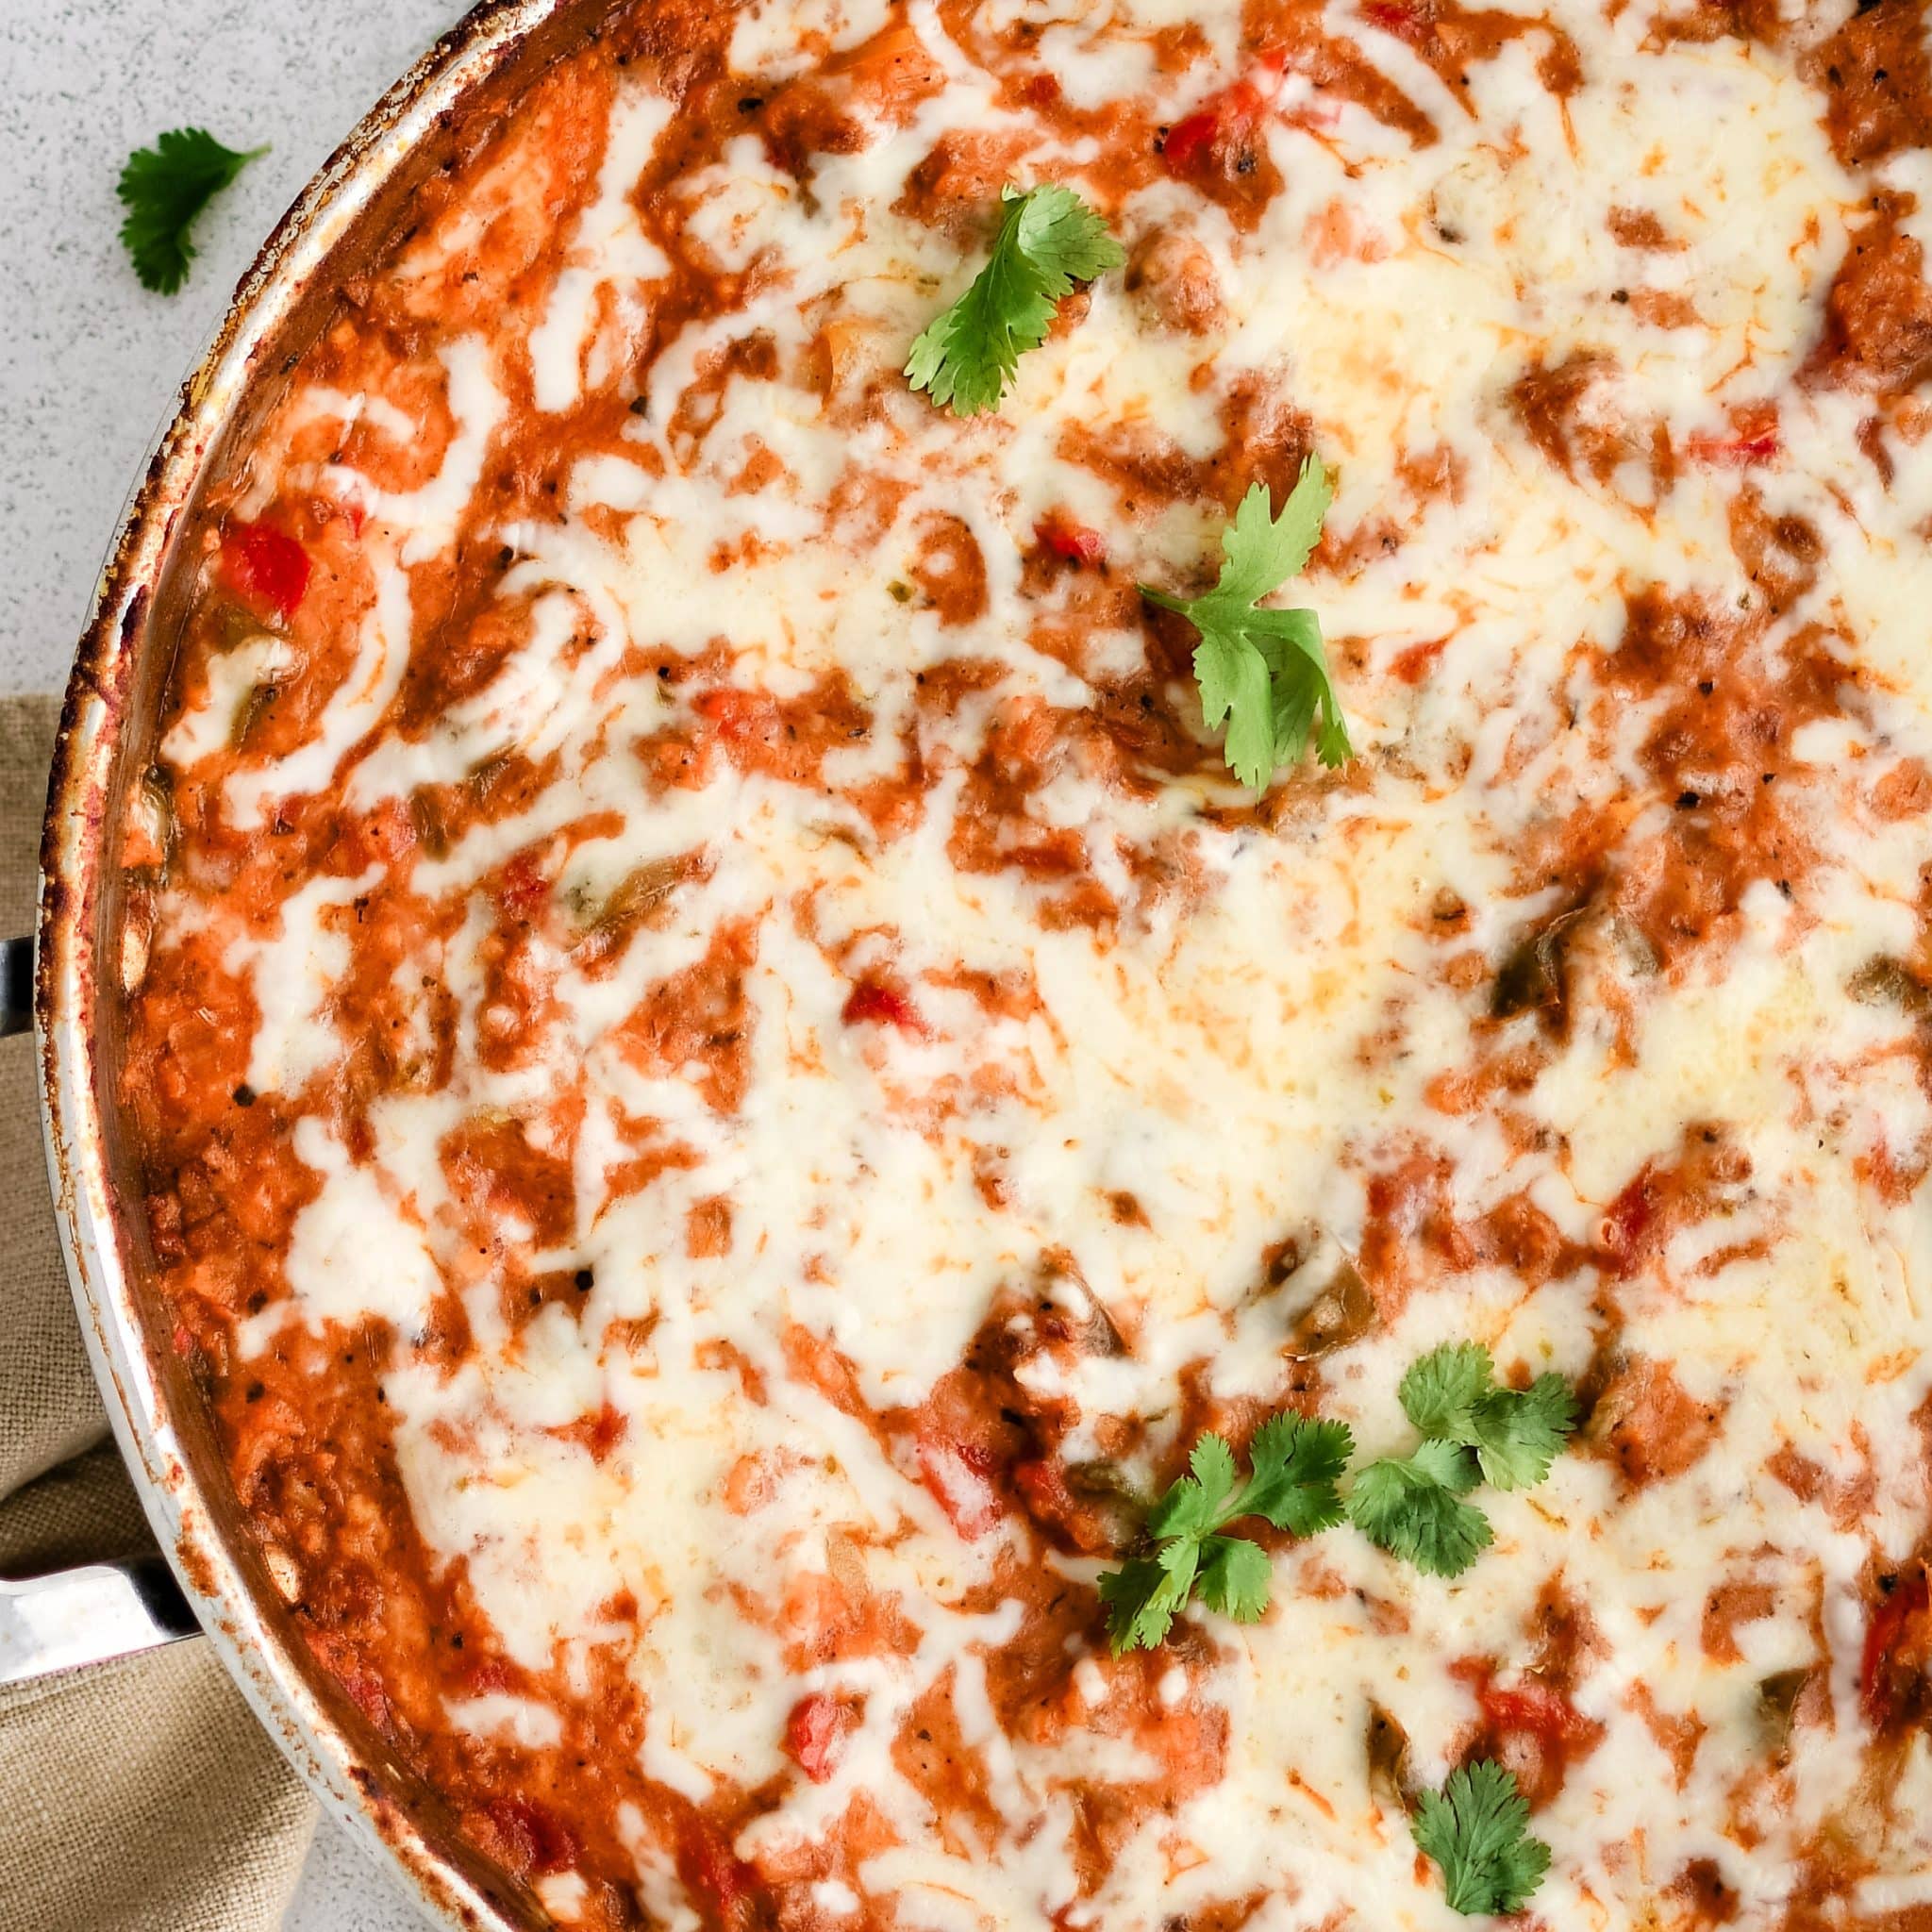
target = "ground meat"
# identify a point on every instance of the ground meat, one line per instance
(1878, 313)
(1568, 412)
(1646, 1424)
(1877, 82)
(1171, 277)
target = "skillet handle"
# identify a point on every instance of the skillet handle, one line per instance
(102, 1610)
(16, 986)
(88, 1616)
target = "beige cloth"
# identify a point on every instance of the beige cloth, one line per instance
(139, 1796)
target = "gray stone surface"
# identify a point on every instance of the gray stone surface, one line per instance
(89, 362)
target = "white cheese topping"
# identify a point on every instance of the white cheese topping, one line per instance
(1244, 1059)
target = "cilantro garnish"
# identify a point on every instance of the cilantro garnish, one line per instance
(1049, 238)
(165, 187)
(1293, 1465)
(1412, 1506)
(1476, 1830)
(1265, 671)
(1450, 1396)
(1472, 1432)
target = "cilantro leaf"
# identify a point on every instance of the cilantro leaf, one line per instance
(1451, 1394)
(1143, 1598)
(1049, 238)
(1236, 685)
(1293, 1464)
(1412, 1506)
(1476, 1830)
(1261, 551)
(164, 188)
(1441, 1389)
(1289, 642)
(1235, 1578)
(1296, 1463)
(1212, 1462)
(1447, 1464)
(1265, 671)
(1517, 1432)
(1191, 1507)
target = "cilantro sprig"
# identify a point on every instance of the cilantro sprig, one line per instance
(164, 188)
(1294, 1468)
(1476, 1830)
(1473, 1431)
(1415, 1506)
(1264, 671)
(1049, 238)
(1451, 1396)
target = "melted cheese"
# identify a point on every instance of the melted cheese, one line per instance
(1241, 1059)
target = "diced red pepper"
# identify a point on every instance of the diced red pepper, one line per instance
(816, 1732)
(1530, 1726)
(1044, 1488)
(1229, 116)
(1532, 1708)
(1754, 439)
(742, 717)
(1734, 452)
(1626, 1228)
(1889, 1632)
(1410, 666)
(1189, 140)
(873, 1002)
(1065, 538)
(733, 711)
(1406, 23)
(524, 889)
(269, 568)
(959, 1474)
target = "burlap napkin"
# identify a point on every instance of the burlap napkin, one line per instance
(139, 1796)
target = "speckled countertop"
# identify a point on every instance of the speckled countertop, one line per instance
(90, 361)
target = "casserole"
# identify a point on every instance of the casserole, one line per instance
(739, 1140)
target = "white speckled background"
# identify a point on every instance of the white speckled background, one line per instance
(89, 362)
